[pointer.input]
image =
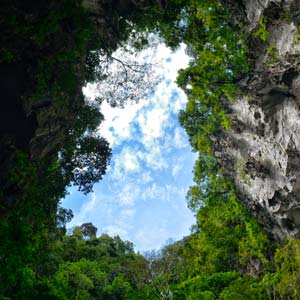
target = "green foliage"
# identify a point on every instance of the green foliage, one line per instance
(240, 169)
(168, 22)
(205, 287)
(288, 260)
(88, 230)
(59, 36)
(85, 162)
(254, 245)
(226, 237)
(262, 32)
(241, 289)
(272, 51)
(272, 57)
(218, 61)
(119, 287)
(76, 280)
(56, 39)
(6, 56)
(98, 268)
(23, 171)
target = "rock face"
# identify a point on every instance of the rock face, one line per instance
(262, 150)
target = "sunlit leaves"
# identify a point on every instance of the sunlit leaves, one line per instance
(76, 280)
(288, 261)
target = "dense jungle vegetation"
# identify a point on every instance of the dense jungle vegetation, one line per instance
(53, 48)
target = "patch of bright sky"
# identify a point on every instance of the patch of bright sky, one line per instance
(142, 196)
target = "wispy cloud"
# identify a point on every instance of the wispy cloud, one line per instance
(180, 140)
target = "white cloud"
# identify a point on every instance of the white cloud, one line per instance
(130, 162)
(157, 192)
(124, 162)
(145, 178)
(173, 60)
(114, 230)
(128, 194)
(117, 126)
(90, 91)
(151, 240)
(128, 213)
(179, 140)
(151, 123)
(85, 210)
(176, 169)
(153, 156)
(121, 225)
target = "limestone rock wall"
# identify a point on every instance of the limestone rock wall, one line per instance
(262, 150)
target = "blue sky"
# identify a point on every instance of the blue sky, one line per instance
(142, 196)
